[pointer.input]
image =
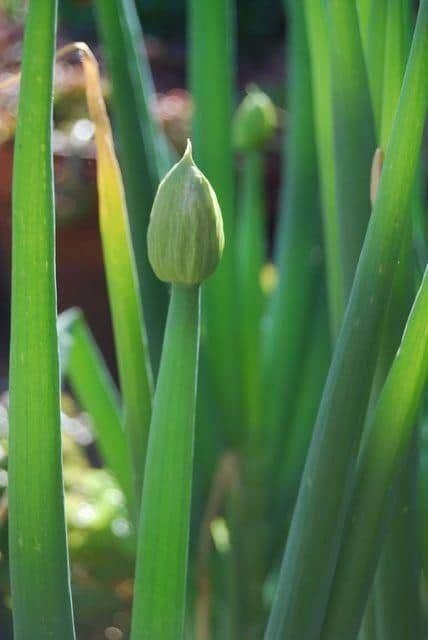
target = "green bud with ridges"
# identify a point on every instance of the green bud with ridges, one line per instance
(255, 120)
(185, 237)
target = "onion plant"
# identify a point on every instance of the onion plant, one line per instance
(276, 482)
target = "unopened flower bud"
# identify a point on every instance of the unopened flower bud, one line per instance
(185, 236)
(255, 120)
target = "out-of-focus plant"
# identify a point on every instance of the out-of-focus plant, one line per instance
(304, 430)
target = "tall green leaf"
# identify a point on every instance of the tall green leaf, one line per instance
(37, 536)
(122, 281)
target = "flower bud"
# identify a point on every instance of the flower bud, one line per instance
(255, 120)
(185, 236)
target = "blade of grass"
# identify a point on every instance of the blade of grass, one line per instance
(211, 73)
(313, 543)
(316, 26)
(122, 283)
(96, 393)
(37, 536)
(354, 135)
(143, 152)
(160, 582)
(383, 455)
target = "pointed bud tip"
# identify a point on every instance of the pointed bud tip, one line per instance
(188, 155)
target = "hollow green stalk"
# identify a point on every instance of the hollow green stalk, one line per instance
(90, 380)
(397, 582)
(211, 72)
(287, 318)
(354, 133)
(395, 559)
(364, 8)
(315, 369)
(369, 624)
(375, 58)
(383, 455)
(143, 153)
(313, 542)
(316, 27)
(397, 42)
(37, 535)
(251, 250)
(161, 570)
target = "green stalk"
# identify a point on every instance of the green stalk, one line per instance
(315, 369)
(287, 321)
(364, 9)
(376, 60)
(368, 625)
(397, 581)
(143, 152)
(353, 132)
(397, 39)
(383, 455)
(396, 605)
(37, 535)
(211, 73)
(96, 393)
(251, 250)
(160, 582)
(323, 113)
(313, 542)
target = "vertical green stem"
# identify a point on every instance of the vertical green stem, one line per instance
(397, 580)
(160, 582)
(368, 627)
(251, 255)
(353, 131)
(376, 62)
(316, 26)
(397, 42)
(211, 73)
(37, 535)
(287, 320)
(395, 607)
(315, 369)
